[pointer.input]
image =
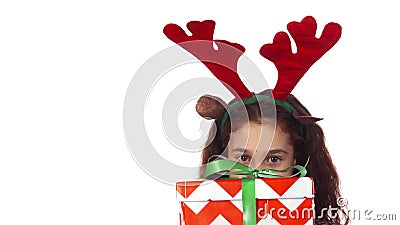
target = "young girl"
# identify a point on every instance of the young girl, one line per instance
(291, 144)
(272, 129)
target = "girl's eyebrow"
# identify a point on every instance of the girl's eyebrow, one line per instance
(239, 150)
(276, 151)
(272, 151)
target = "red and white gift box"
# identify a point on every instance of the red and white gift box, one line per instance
(219, 202)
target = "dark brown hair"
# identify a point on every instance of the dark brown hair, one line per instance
(308, 141)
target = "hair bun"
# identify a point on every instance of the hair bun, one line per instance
(210, 107)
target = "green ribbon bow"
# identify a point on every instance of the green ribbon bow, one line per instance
(224, 166)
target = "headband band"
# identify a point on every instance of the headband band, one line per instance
(254, 99)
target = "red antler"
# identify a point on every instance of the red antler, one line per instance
(222, 62)
(291, 67)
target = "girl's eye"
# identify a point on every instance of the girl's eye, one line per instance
(244, 158)
(273, 159)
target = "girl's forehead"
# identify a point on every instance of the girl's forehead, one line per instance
(255, 136)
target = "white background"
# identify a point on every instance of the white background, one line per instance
(65, 67)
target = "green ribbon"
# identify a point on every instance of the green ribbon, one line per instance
(249, 202)
(224, 166)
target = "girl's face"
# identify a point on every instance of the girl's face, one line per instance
(261, 146)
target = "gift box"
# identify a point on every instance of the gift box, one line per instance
(236, 201)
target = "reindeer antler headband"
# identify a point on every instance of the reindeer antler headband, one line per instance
(223, 62)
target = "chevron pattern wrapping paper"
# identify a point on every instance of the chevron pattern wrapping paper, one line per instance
(219, 202)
